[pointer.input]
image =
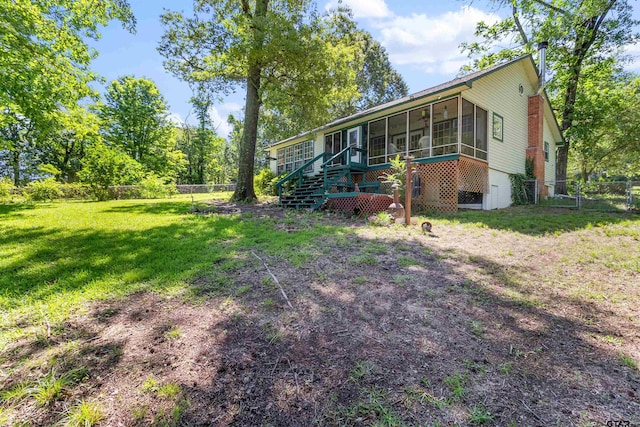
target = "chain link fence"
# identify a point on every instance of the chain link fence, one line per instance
(597, 196)
(138, 191)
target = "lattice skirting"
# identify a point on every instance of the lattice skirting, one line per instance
(362, 204)
(440, 182)
(438, 186)
(474, 175)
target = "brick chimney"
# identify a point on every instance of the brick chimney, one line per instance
(535, 149)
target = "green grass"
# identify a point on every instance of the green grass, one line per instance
(85, 414)
(55, 257)
(173, 333)
(373, 406)
(629, 362)
(150, 385)
(363, 369)
(407, 261)
(533, 220)
(456, 384)
(169, 390)
(50, 387)
(479, 415)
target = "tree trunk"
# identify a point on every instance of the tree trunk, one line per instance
(584, 174)
(244, 185)
(246, 162)
(15, 163)
(561, 169)
(567, 120)
(585, 37)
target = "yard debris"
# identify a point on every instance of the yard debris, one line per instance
(275, 279)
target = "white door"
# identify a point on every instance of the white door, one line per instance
(495, 197)
(353, 139)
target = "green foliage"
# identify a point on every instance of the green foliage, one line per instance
(529, 168)
(363, 369)
(628, 361)
(169, 390)
(72, 131)
(49, 169)
(583, 36)
(209, 158)
(480, 415)
(281, 52)
(263, 183)
(376, 79)
(76, 190)
(135, 118)
(398, 173)
(519, 192)
(6, 189)
(457, 384)
(50, 387)
(374, 407)
(601, 141)
(43, 189)
(154, 187)
(104, 166)
(18, 138)
(150, 385)
(44, 55)
(85, 414)
(381, 219)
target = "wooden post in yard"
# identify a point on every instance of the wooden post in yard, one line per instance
(407, 191)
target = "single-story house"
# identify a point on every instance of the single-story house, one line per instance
(466, 136)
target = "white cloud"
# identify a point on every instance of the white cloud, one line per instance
(364, 8)
(175, 118)
(431, 42)
(219, 115)
(633, 51)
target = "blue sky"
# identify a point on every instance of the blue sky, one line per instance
(421, 38)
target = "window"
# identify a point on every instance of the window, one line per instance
(546, 151)
(293, 157)
(334, 144)
(397, 136)
(481, 133)
(474, 131)
(377, 141)
(429, 130)
(445, 127)
(498, 127)
(468, 128)
(419, 132)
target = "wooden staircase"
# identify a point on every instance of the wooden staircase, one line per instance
(310, 194)
(300, 191)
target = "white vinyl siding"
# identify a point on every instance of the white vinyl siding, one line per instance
(550, 166)
(499, 93)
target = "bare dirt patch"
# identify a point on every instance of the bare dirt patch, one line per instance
(389, 326)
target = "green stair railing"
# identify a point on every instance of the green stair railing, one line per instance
(342, 160)
(299, 173)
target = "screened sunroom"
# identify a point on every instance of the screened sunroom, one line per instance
(452, 126)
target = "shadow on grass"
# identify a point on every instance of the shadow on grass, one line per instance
(376, 352)
(152, 207)
(61, 262)
(10, 210)
(365, 343)
(535, 221)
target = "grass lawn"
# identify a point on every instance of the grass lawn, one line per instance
(142, 312)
